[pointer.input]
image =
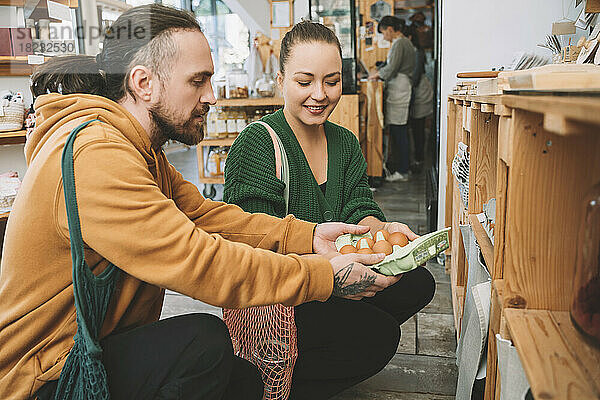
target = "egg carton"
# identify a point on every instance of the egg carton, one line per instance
(407, 258)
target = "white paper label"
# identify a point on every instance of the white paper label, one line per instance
(231, 126)
(34, 59)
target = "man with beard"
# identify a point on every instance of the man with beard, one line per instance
(139, 227)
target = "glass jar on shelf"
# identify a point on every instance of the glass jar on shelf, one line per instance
(221, 123)
(211, 124)
(223, 159)
(220, 83)
(585, 302)
(231, 123)
(213, 163)
(265, 86)
(241, 120)
(237, 84)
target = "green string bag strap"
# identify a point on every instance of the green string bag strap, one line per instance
(83, 376)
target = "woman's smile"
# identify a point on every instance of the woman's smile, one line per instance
(315, 110)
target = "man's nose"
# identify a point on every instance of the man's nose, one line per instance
(208, 95)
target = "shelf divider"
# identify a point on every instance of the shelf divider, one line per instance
(487, 248)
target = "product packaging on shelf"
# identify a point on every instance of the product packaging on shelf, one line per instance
(407, 258)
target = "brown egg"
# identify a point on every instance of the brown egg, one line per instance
(382, 246)
(365, 250)
(365, 243)
(380, 236)
(398, 238)
(385, 234)
(347, 249)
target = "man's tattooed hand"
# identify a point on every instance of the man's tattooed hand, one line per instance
(343, 286)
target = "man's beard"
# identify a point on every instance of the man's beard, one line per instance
(164, 127)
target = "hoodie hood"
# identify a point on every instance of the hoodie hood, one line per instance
(54, 112)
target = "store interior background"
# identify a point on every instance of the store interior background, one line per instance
(470, 35)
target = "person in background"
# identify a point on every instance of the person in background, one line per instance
(136, 212)
(397, 74)
(340, 342)
(421, 105)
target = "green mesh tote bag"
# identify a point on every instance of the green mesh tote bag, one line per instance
(83, 376)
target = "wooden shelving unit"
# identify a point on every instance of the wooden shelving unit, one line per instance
(200, 154)
(13, 137)
(4, 216)
(537, 156)
(34, 9)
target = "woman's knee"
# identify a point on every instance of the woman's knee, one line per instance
(425, 280)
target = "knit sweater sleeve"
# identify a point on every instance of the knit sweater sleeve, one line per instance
(250, 180)
(358, 198)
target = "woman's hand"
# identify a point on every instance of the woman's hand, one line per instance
(392, 227)
(353, 280)
(326, 234)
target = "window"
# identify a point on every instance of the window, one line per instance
(228, 36)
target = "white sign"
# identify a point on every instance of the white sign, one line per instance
(59, 11)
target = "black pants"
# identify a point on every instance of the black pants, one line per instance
(185, 357)
(398, 159)
(343, 342)
(417, 126)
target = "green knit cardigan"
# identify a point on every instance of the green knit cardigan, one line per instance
(250, 180)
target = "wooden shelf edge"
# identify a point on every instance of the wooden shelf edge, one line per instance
(487, 248)
(13, 137)
(4, 216)
(573, 108)
(212, 181)
(250, 102)
(216, 142)
(478, 74)
(486, 99)
(558, 363)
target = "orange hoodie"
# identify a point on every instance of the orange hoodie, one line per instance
(140, 214)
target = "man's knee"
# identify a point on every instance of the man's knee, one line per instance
(245, 381)
(386, 337)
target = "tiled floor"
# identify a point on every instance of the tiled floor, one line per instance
(424, 365)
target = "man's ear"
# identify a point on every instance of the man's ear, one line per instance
(141, 82)
(280, 80)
